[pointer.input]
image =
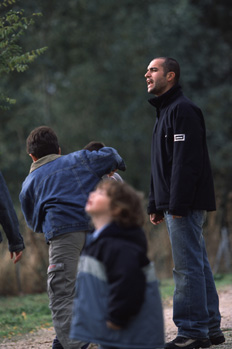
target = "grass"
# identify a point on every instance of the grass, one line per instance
(25, 314)
(167, 285)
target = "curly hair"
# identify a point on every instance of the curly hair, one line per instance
(126, 203)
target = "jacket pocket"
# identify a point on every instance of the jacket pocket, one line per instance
(56, 280)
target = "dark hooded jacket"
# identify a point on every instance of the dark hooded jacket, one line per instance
(117, 282)
(181, 176)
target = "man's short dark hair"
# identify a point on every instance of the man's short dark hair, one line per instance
(170, 64)
(94, 145)
(42, 141)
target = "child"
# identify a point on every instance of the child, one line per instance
(53, 199)
(117, 302)
(95, 145)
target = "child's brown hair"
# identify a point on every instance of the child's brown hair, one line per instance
(126, 203)
(42, 141)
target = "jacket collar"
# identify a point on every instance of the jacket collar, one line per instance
(42, 161)
(166, 98)
(133, 234)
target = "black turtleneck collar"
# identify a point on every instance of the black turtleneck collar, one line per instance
(166, 98)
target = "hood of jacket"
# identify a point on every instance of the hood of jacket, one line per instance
(133, 235)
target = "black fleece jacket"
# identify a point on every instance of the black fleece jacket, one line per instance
(181, 177)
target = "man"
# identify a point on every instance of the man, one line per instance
(53, 199)
(9, 222)
(181, 192)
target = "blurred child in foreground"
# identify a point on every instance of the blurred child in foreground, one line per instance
(117, 302)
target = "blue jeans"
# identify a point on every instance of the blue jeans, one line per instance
(195, 301)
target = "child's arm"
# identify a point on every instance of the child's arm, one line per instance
(103, 161)
(32, 209)
(126, 285)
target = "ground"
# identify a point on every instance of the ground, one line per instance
(43, 338)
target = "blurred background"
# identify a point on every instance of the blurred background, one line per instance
(89, 85)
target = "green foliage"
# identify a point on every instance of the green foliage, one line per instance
(166, 288)
(90, 84)
(6, 3)
(19, 315)
(13, 24)
(5, 101)
(223, 280)
(167, 285)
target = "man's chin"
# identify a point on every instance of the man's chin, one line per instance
(150, 90)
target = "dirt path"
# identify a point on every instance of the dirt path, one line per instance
(225, 299)
(43, 338)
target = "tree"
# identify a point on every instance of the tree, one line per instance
(90, 85)
(13, 24)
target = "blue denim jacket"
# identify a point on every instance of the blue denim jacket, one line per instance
(9, 220)
(54, 194)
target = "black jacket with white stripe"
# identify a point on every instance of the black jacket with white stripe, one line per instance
(181, 176)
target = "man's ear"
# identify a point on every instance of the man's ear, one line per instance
(34, 158)
(171, 76)
(59, 150)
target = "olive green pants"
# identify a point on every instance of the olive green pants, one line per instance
(64, 252)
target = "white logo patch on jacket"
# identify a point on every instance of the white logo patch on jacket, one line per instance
(179, 137)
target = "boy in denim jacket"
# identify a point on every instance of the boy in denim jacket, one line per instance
(53, 198)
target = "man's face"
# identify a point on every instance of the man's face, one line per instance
(157, 83)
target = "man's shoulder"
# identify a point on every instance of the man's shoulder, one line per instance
(184, 103)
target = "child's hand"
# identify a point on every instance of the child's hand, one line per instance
(111, 325)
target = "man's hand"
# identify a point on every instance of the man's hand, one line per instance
(156, 218)
(18, 256)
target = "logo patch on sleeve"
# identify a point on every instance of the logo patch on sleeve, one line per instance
(179, 137)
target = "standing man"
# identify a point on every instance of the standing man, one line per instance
(181, 192)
